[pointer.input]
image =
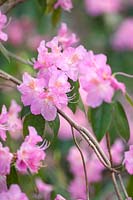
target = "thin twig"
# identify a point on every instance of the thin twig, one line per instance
(12, 55)
(112, 173)
(123, 186)
(83, 161)
(9, 77)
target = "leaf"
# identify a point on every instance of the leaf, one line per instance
(100, 118)
(121, 121)
(25, 111)
(56, 15)
(37, 121)
(50, 6)
(130, 186)
(74, 94)
(4, 52)
(55, 125)
(12, 177)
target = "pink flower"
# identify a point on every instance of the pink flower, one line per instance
(122, 38)
(66, 38)
(99, 7)
(59, 197)
(3, 123)
(64, 4)
(44, 189)
(14, 193)
(128, 160)
(30, 88)
(117, 151)
(3, 20)
(5, 160)
(30, 155)
(97, 80)
(3, 184)
(70, 60)
(14, 123)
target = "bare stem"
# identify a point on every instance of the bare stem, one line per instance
(12, 55)
(112, 173)
(9, 77)
(84, 165)
(123, 186)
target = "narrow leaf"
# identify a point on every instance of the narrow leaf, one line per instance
(37, 121)
(56, 15)
(12, 178)
(121, 121)
(100, 118)
(128, 98)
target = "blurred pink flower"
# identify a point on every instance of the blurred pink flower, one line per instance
(3, 184)
(14, 193)
(5, 160)
(99, 7)
(128, 160)
(14, 123)
(3, 21)
(122, 38)
(64, 4)
(44, 189)
(3, 123)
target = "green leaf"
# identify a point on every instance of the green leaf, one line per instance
(130, 186)
(56, 15)
(120, 120)
(37, 121)
(4, 52)
(50, 6)
(100, 118)
(12, 177)
(55, 125)
(25, 111)
(74, 94)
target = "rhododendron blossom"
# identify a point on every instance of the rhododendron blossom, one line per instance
(64, 4)
(97, 80)
(3, 21)
(128, 160)
(14, 193)
(5, 160)
(30, 155)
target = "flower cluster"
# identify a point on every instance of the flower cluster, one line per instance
(57, 62)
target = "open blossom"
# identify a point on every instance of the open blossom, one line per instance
(128, 160)
(99, 7)
(44, 189)
(65, 37)
(14, 193)
(30, 155)
(3, 21)
(97, 80)
(122, 38)
(64, 4)
(5, 160)
(3, 123)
